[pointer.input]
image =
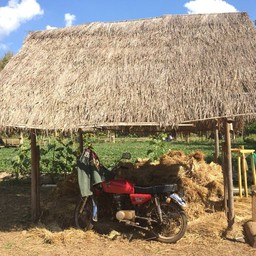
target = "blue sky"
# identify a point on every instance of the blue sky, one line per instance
(19, 17)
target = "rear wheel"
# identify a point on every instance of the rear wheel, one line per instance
(83, 213)
(173, 226)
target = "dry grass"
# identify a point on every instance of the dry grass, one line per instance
(202, 182)
(64, 237)
(206, 227)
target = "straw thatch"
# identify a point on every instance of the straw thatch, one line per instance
(155, 71)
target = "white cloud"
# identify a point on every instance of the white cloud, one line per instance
(69, 19)
(3, 47)
(50, 27)
(209, 6)
(16, 13)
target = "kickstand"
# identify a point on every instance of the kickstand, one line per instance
(150, 238)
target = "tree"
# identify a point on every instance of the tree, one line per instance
(5, 60)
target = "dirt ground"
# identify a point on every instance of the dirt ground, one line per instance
(18, 236)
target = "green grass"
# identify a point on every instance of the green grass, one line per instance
(109, 152)
(6, 156)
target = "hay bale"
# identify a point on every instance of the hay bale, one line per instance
(202, 182)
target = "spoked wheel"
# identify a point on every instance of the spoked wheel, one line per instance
(83, 213)
(174, 223)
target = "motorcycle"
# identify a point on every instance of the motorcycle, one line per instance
(156, 210)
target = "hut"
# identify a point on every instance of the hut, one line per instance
(160, 72)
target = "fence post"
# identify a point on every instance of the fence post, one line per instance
(228, 173)
(217, 144)
(35, 176)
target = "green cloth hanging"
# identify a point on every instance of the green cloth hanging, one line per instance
(90, 172)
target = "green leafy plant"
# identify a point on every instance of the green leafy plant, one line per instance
(251, 139)
(157, 146)
(251, 128)
(21, 162)
(58, 157)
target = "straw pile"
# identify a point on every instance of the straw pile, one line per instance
(62, 237)
(58, 210)
(202, 182)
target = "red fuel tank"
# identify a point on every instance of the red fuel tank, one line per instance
(140, 198)
(118, 187)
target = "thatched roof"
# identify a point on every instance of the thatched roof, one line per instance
(162, 70)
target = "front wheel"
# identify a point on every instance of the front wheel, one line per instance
(173, 226)
(83, 214)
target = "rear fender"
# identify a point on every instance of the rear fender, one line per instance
(178, 200)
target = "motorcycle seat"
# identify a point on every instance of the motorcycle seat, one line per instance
(166, 188)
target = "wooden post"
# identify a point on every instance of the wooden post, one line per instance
(244, 169)
(35, 189)
(253, 169)
(228, 172)
(254, 203)
(225, 177)
(239, 175)
(80, 141)
(38, 209)
(21, 138)
(217, 143)
(187, 137)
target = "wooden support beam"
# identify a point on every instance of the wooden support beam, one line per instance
(253, 163)
(80, 141)
(244, 170)
(239, 175)
(38, 209)
(254, 203)
(224, 168)
(35, 174)
(228, 173)
(217, 145)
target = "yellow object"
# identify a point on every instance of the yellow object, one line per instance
(242, 168)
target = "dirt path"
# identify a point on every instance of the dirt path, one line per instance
(19, 237)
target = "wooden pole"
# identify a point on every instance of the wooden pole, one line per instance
(80, 141)
(225, 177)
(217, 145)
(254, 203)
(38, 210)
(244, 169)
(239, 175)
(253, 169)
(35, 190)
(228, 171)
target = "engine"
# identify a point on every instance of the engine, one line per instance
(125, 215)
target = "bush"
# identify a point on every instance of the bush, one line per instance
(57, 157)
(157, 146)
(251, 139)
(21, 163)
(251, 128)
